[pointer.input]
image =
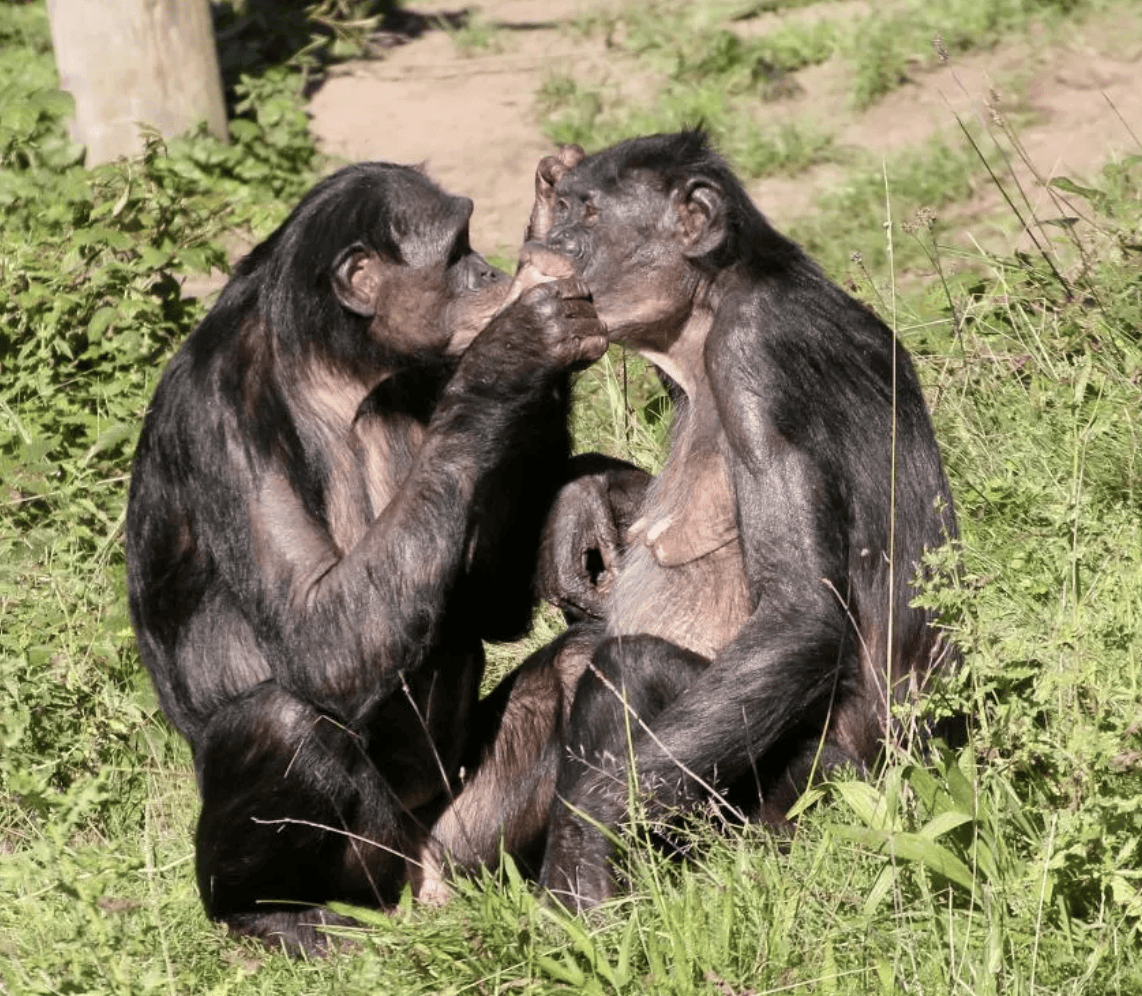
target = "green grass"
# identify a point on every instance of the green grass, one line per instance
(707, 66)
(580, 114)
(897, 39)
(1012, 868)
(707, 73)
(849, 218)
(474, 36)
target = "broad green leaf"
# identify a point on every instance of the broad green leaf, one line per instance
(941, 824)
(863, 800)
(913, 847)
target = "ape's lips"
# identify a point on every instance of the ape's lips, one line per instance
(537, 264)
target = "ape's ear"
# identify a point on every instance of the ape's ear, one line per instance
(701, 211)
(357, 279)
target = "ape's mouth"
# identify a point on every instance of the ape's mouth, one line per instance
(548, 262)
(538, 264)
(469, 314)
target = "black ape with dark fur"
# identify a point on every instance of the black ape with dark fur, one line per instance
(338, 492)
(760, 620)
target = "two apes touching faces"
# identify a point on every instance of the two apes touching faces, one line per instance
(358, 468)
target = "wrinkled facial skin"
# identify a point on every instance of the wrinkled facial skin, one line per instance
(454, 289)
(477, 292)
(424, 288)
(622, 239)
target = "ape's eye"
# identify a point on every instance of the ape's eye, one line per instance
(562, 209)
(589, 211)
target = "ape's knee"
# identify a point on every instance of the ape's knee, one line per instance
(289, 799)
(645, 671)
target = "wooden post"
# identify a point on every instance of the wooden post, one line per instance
(133, 62)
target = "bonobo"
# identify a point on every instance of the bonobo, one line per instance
(760, 623)
(338, 493)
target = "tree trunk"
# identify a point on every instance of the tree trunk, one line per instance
(129, 63)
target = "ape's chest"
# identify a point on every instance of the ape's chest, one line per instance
(683, 577)
(366, 468)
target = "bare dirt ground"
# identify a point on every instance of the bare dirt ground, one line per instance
(473, 117)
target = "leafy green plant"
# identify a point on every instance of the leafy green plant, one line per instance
(90, 307)
(305, 37)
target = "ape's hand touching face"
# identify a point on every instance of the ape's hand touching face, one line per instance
(637, 238)
(548, 173)
(338, 493)
(761, 619)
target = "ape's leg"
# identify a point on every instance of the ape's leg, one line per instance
(631, 680)
(294, 813)
(620, 698)
(508, 780)
(779, 778)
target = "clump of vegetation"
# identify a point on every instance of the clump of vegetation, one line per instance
(581, 114)
(1011, 867)
(710, 68)
(897, 39)
(710, 74)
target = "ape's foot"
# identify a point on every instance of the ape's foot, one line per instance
(296, 932)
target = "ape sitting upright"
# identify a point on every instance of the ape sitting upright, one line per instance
(760, 623)
(337, 494)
